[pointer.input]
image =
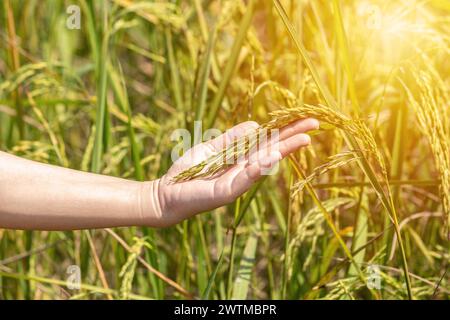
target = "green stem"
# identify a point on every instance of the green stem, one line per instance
(350, 141)
(231, 64)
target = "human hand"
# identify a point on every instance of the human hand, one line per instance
(181, 200)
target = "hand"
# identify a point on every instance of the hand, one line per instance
(181, 200)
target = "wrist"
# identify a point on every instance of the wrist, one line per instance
(150, 204)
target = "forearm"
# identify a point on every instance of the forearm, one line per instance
(44, 197)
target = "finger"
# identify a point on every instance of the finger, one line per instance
(295, 128)
(299, 126)
(265, 160)
(292, 144)
(239, 179)
(243, 178)
(232, 134)
(285, 147)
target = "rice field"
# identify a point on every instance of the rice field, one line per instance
(362, 213)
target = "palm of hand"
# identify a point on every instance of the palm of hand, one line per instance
(182, 200)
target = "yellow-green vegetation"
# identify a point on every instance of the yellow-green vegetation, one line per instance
(361, 214)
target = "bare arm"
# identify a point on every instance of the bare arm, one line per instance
(40, 196)
(44, 197)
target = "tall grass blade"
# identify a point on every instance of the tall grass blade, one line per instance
(243, 278)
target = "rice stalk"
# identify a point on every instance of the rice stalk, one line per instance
(431, 105)
(101, 40)
(336, 161)
(385, 196)
(331, 224)
(231, 63)
(63, 283)
(129, 268)
(311, 227)
(15, 63)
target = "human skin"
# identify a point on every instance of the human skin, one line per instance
(37, 196)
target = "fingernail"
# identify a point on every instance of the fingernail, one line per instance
(315, 124)
(306, 139)
(275, 156)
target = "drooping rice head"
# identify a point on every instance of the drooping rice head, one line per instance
(431, 105)
(279, 119)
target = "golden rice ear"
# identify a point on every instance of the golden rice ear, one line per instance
(281, 118)
(428, 102)
(334, 162)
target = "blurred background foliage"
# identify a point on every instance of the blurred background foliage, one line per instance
(106, 97)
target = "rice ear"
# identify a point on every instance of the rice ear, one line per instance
(279, 119)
